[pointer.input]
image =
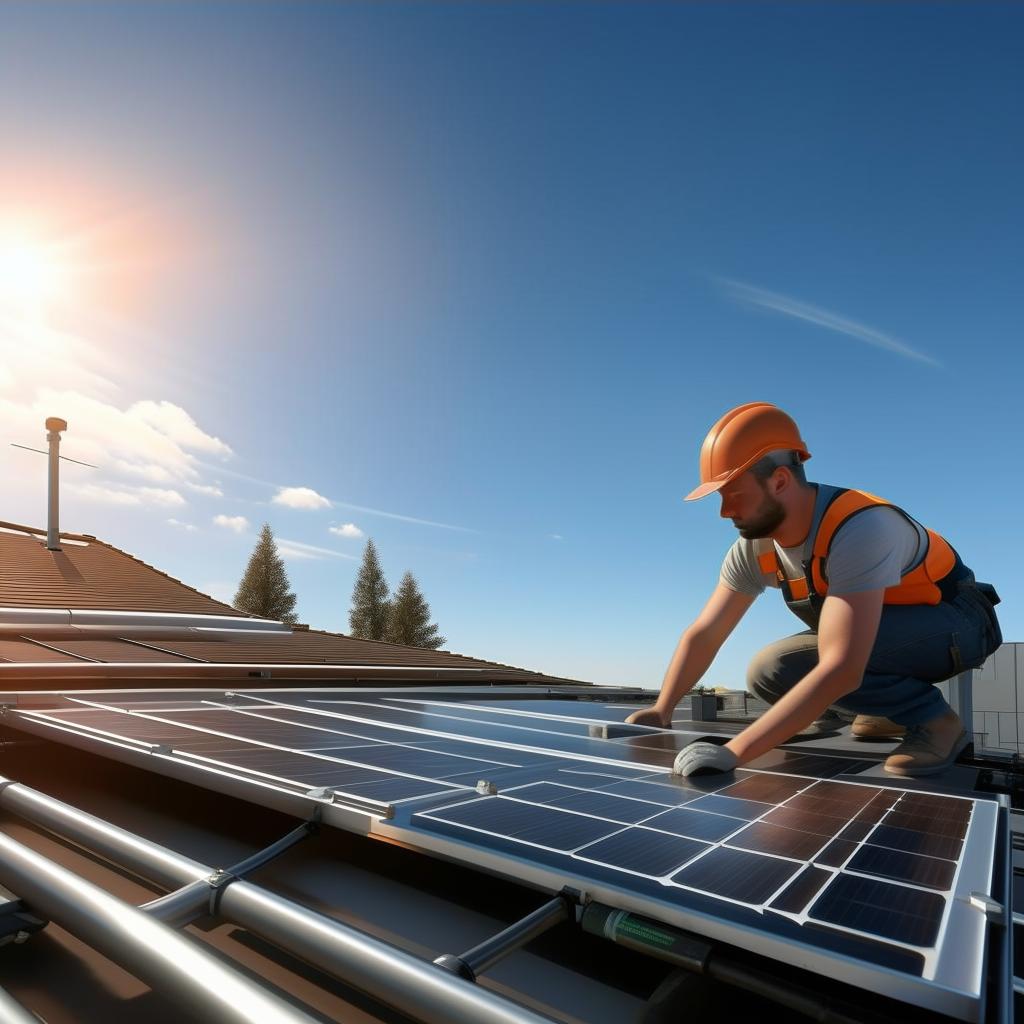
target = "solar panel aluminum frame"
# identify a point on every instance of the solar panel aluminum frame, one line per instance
(960, 993)
(961, 996)
(338, 810)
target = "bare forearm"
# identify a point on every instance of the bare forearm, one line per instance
(693, 655)
(807, 701)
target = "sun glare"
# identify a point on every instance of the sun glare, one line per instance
(31, 273)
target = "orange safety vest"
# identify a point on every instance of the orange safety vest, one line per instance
(919, 586)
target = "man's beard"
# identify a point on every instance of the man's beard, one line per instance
(765, 521)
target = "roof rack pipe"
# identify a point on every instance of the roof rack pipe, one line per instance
(482, 957)
(12, 1012)
(165, 960)
(384, 972)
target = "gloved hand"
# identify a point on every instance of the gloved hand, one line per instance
(648, 716)
(704, 759)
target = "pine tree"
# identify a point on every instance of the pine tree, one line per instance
(264, 589)
(409, 622)
(368, 616)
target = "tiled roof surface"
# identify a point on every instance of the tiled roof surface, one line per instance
(89, 574)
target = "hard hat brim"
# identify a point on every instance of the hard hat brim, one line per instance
(705, 489)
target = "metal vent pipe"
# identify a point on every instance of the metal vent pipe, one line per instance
(54, 426)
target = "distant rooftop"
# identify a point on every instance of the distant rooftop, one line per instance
(92, 604)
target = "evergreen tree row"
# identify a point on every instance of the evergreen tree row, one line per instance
(403, 618)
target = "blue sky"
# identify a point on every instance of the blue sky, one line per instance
(481, 276)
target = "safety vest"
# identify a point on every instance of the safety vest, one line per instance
(804, 595)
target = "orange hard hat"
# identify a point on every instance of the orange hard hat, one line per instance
(742, 437)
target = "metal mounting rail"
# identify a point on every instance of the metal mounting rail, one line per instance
(12, 1012)
(478, 959)
(201, 898)
(165, 960)
(387, 974)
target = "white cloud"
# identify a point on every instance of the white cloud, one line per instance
(346, 530)
(152, 472)
(178, 524)
(237, 523)
(297, 549)
(210, 489)
(161, 496)
(823, 318)
(114, 495)
(555, 536)
(292, 553)
(300, 497)
(103, 494)
(172, 421)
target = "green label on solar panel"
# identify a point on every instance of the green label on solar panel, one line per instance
(631, 928)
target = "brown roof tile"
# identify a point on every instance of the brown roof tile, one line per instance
(89, 574)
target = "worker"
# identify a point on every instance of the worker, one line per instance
(890, 608)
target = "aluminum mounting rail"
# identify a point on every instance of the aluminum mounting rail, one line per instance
(385, 973)
(12, 1012)
(167, 961)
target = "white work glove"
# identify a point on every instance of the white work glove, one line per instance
(704, 759)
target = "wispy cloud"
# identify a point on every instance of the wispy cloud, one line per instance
(346, 530)
(108, 495)
(296, 549)
(179, 525)
(334, 503)
(237, 523)
(300, 497)
(761, 297)
(210, 489)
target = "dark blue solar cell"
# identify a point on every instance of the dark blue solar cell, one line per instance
(903, 867)
(525, 823)
(748, 809)
(801, 890)
(737, 875)
(893, 912)
(912, 841)
(783, 842)
(682, 821)
(640, 849)
(607, 805)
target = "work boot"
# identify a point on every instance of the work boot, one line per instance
(929, 748)
(875, 727)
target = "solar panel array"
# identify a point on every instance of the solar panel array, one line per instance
(792, 849)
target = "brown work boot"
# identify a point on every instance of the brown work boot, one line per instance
(875, 727)
(929, 748)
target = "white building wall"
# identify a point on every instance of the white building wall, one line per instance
(997, 694)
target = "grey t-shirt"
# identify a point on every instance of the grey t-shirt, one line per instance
(872, 550)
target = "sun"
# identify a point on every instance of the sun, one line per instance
(32, 273)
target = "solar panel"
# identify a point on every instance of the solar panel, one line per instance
(795, 856)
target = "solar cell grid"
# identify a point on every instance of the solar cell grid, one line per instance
(765, 788)
(748, 809)
(916, 842)
(737, 875)
(641, 850)
(929, 872)
(696, 824)
(667, 796)
(837, 853)
(783, 842)
(805, 821)
(799, 893)
(892, 911)
(528, 823)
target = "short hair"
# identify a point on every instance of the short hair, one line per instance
(763, 468)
